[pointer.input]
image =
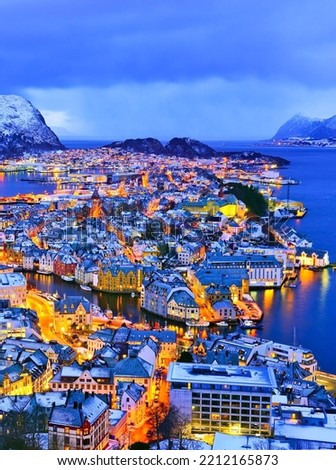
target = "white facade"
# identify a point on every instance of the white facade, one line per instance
(13, 286)
(231, 399)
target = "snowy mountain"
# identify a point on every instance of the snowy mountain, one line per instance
(23, 128)
(304, 127)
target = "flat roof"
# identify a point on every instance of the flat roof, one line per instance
(217, 374)
(12, 279)
(303, 432)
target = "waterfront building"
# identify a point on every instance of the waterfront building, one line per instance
(28, 260)
(285, 255)
(289, 353)
(85, 270)
(122, 278)
(181, 305)
(46, 261)
(263, 271)
(72, 312)
(292, 237)
(312, 258)
(65, 264)
(224, 310)
(168, 296)
(13, 286)
(231, 399)
(82, 423)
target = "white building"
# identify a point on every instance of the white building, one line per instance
(263, 271)
(46, 261)
(248, 346)
(13, 286)
(231, 399)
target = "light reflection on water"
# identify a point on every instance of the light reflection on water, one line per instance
(308, 310)
(300, 313)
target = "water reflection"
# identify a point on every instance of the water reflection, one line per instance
(303, 309)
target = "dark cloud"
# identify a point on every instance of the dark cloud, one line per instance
(99, 43)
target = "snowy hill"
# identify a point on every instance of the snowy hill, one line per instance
(304, 127)
(23, 128)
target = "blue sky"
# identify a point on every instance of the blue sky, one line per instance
(210, 70)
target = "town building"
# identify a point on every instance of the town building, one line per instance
(87, 377)
(263, 271)
(230, 399)
(119, 278)
(82, 423)
(72, 312)
(13, 286)
(170, 297)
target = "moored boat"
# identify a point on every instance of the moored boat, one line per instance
(68, 278)
(197, 323)
(250, 325)
(84, 287)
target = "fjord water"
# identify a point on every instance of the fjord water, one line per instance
(304, 315)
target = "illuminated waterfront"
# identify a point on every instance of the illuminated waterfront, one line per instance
(304, 314)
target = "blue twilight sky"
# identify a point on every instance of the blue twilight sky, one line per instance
(211, 70)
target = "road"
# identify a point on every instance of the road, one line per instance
(138, 433)
(328, 381)
(44, 310)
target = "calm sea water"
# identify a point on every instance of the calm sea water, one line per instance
(304, 315)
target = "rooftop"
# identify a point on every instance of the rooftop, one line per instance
(215, 374)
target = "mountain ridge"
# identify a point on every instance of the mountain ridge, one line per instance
(300, 126)
(177, 146)
(23, 128)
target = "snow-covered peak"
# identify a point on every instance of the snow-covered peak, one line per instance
(23, 128)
